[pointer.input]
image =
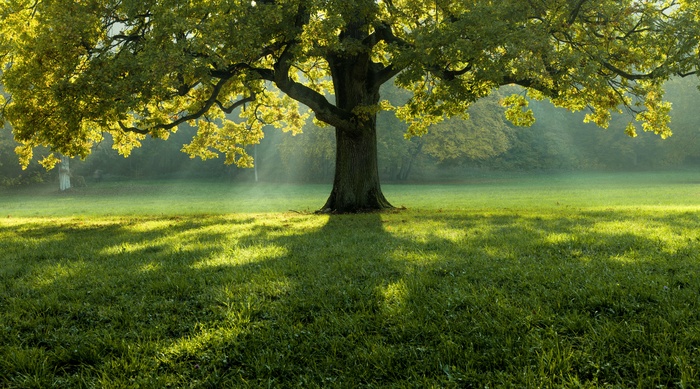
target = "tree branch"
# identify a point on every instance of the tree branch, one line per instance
(687, 74)
(385, 74)
(575, 12)
(318, 103)
(381, 74)
(528, 83)
(236, 104)
(630, 76)
(213, 99)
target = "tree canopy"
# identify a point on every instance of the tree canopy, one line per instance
(73, 70)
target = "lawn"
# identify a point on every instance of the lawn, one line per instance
(505, 281)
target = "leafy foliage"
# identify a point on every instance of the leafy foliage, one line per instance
(74, 70)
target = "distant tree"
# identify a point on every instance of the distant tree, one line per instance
(64, 173)
(11, 173)
(7, 146)
(154, 159)
(76, 69)
(560, 140)
(684, 146)
(307, 156)
(397, 155)
(483, 135)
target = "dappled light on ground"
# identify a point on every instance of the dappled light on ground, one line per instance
(415, 298)
(240, 256)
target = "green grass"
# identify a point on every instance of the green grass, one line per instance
(487, 191)
(548, 281)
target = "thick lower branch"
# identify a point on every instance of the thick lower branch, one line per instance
(324, 110)
(645, 76)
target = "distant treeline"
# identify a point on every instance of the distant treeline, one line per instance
(559, 140)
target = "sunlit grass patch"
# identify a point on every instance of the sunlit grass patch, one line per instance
(485, 296)
(245, 255)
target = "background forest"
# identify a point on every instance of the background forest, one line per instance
(558, 141)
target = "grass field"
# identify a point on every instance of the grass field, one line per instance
(582, 280)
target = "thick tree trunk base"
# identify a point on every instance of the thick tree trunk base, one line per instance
(356, 185)
(342, 202)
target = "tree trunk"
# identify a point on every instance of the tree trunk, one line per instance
(356, 182)
(407, 164)
(356, 185)
(356, 82)
(64, 174)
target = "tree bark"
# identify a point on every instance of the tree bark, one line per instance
(356, 81)
(356, 186)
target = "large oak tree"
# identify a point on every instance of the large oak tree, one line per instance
(74, 70)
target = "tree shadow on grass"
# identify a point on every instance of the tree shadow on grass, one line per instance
(404, 299)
